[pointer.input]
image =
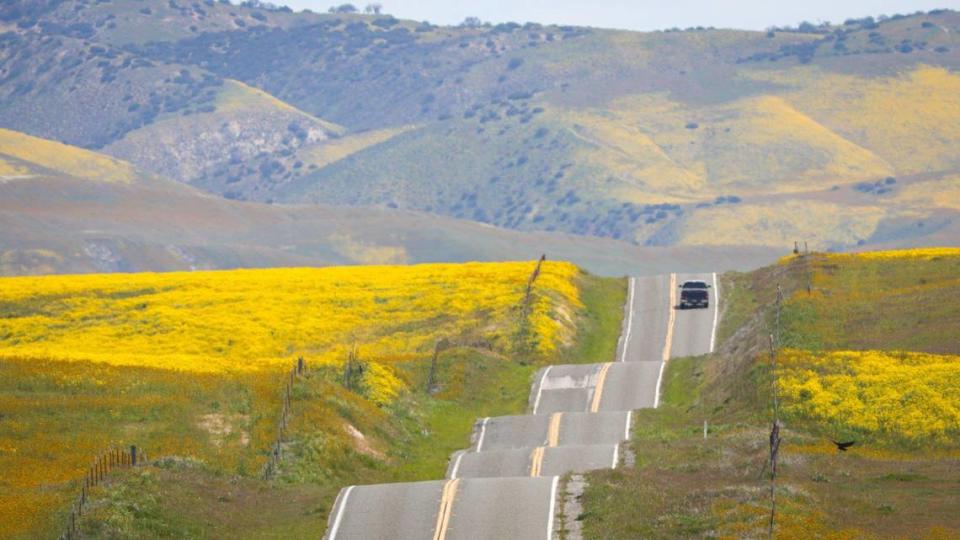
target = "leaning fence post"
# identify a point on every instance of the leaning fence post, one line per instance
(133, 455)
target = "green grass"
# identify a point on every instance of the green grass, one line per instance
(682, 383)
(472, 385)
(740, 303)
(600, 327)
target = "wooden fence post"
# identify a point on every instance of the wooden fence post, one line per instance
(286, 409)
(533, 277)
(441, 346)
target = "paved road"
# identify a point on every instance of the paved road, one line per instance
(473, 508)
(534, 461)
(645, 323)
(504, 485)
(529, 431)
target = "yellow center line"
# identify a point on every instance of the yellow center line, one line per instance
(668, 343)
(536, 461)
(598, 388)
(446, 507)
(553, 432)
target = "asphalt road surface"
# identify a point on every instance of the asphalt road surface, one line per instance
(505, 484)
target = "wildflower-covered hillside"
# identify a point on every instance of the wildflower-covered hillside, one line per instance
(906, 396)
(256, 319)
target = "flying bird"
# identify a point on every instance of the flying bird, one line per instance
(842, 446)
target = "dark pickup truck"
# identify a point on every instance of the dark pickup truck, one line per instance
(693, 294)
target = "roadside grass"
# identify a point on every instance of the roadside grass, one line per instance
(339, 438)
(599, 329)
(858, 303)
(739, 304)
(686, 486)
(473, 384)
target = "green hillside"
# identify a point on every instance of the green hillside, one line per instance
(246, 143)
(699, 137)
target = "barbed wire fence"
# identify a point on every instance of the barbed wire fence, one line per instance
(107, 462)
(522, 338)
(533, 278)
(286, 412)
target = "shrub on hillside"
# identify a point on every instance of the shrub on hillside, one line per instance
(344, 8)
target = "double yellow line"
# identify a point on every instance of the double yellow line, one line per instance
(446, 508)
(553, 439)
(536, 461)
(553, 430)
(598, 388)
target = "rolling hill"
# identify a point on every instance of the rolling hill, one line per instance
(262, 137)
(691, 138)
(106, 216)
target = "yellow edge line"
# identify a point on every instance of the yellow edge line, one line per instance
(598, 389)
(553, 433)
(668, 343)
(446, 507)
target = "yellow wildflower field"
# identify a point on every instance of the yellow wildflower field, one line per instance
(254, 319)
(903, 395)
(916, 253)
(891, 254)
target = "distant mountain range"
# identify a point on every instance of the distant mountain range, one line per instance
(843, 136)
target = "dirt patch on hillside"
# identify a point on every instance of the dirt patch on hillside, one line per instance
(222, 426)
(361, 443)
